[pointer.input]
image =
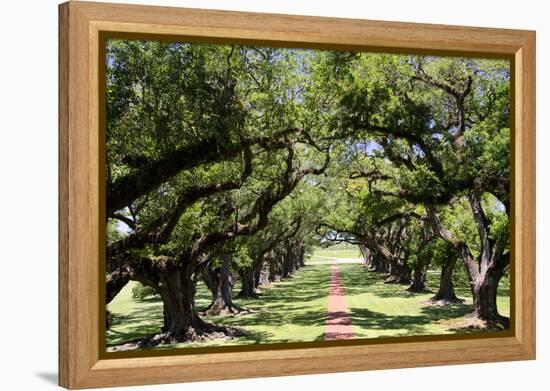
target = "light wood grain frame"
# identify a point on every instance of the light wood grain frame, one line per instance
(80, 26)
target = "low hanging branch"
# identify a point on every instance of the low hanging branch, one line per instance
(258, 218)
(151, 174)
(160, 229)
(130, 187)
(249, 224)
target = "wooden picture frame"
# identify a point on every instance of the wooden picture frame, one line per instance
(81, 24)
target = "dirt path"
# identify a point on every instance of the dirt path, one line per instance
(338, 320)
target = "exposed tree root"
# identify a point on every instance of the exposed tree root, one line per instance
(207, 333)
(396, 279)
(414, 289)
(473, 323)
(444, 302)
(255, 295)
(226, 310)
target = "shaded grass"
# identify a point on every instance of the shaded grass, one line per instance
(295, 310)
(384, 310)
(131, 318)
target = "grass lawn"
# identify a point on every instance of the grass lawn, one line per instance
(295, 310)
(341, 251)
(387, 310)
(132, 318)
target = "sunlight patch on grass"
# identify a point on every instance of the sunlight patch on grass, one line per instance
(293, 310)
(321, 255)
(131, 318)
(389, 310)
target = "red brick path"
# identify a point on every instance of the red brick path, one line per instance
(338, 321)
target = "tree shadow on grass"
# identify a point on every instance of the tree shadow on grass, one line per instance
(369, 320)
(267, 339)
(252, 337)
(320, 337)
(401, 294)
(285, 303)
(257, 336)
(294, 316)
(408, 324)
(310, 318)
(359, 281)
(149, 299)
(446, 312)
(299, 302)
(356, 279)
(141, 322)
(307, 285)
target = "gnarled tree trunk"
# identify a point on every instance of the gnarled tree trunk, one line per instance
(116, 281)
(367, 257)
(379, 264)
(220, 282)
(176, 286)
(287, 261)
(264, 274)
(485, 296)
(446, 292)
(275, 265)
(248, 283)
(418, 283)
(181, 322)
(400, 273)
(485, 273)
(301, 255)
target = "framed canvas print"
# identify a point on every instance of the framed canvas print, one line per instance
(329, 194)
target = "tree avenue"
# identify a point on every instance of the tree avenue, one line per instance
(228, 165)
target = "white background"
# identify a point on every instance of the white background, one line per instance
(28, 205)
